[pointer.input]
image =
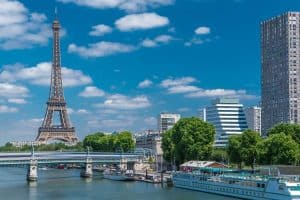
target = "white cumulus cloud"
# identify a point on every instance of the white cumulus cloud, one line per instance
(100, 30)
(92, 91)
(145, 83)
(186, 86)
(241, 94)
(17, 101)
(72, 111)
(6, 109)
(182, 89)
(161, 39)
(127, 5)
(141, 21)
(20, 28)
(202, 30)
(41, 73)
(171, 82)
(148, 43)
(8, 90)
(100, 49)
(122, 102)
(199, 37)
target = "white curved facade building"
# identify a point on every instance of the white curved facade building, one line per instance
(228, 118)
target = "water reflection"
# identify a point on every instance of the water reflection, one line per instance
(32, 190)
(88, 180)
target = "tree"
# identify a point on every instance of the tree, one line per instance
(249, 150)
(233, 150)
(92, 140)
(279, 149)
(124, 141)
(79, 147)
(105, 144)
(167, 146)
(109, 143)
(219, 155)
(190, 139)
(288, 129)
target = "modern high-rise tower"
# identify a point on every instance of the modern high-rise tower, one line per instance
(166, 121)
(56, 106)
(253, 116)
(280, 59)
(228, 117)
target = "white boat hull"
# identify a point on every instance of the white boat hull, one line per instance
(118, 177)
(230, 190)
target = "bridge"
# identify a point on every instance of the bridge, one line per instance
(33, 159)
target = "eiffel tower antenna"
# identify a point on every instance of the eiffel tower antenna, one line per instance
(56, 13)
(56, 104)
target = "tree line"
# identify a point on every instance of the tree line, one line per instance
(282, 146)
(9, 147)
(116, 142)
(119, 142)
(192, 139)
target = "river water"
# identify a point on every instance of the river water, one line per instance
(59, 184)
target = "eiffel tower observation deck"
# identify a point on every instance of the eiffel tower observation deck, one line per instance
(56, 105)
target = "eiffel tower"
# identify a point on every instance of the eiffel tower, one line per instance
(56, 103)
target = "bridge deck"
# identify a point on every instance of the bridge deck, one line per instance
(66, 157)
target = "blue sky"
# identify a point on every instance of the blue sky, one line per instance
(125, 61)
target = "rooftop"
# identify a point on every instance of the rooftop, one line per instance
(226, 101)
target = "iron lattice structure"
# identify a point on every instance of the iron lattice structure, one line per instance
(56, 103)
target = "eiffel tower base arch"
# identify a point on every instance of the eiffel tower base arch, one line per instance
(66, 135)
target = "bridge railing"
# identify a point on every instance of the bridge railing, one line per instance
(66, 157)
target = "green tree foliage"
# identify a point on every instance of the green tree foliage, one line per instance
(288, 129)
(44, 147)
(250, 141)
(219, 155)
(244, 148)
(167, 146)
(190, 139)
(279, 149)
(233, 150)
(92, 140)
(122, 142)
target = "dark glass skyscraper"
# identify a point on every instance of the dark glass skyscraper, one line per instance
(280, 70)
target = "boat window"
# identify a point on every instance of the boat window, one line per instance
(263, 185)
(294, 188)
(258, 184)
(281, 187)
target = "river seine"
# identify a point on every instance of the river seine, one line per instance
(59, 184)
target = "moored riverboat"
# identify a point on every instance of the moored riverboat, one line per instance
(118, 175)
(233, 183)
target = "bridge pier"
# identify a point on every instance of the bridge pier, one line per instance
(32, 173)
(127, 165)
(87, 172)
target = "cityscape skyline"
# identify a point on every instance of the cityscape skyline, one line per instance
(105, 86)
